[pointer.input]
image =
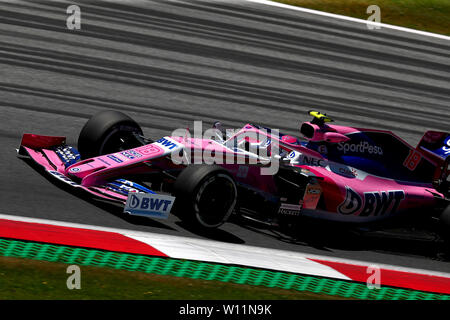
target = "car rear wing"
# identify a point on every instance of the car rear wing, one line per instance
(436, 146)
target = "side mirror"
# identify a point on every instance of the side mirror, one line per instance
(217, 125)
(220, 136)
(334, 137)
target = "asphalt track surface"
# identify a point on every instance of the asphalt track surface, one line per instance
(169, 63)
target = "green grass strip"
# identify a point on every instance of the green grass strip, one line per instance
(426, 15)
(207, 271)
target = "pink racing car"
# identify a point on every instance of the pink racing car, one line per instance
(333, 172)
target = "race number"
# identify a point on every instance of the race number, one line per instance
(412, 160)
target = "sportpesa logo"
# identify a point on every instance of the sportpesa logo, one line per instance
(362, 147)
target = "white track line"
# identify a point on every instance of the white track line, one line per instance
(225, 253)
(346, 18)
(222, 251)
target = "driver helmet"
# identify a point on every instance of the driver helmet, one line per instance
(289, 139)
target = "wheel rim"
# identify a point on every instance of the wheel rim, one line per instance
(215, 200)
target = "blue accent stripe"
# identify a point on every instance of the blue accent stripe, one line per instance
(123, 187)
(135, 185)
(116, 188)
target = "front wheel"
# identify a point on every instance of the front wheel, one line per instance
(205, 195)
(108, 132)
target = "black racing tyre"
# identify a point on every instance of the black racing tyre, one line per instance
(107, 132)
(444, 229)
(445, 218)
(205, 195)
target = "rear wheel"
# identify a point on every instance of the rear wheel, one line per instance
(445, 219)
(108, 132)
(205, 195)
(444, 230)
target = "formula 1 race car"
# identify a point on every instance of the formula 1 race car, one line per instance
(333, 172)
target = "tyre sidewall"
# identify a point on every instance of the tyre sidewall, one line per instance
(102, 125)
(189, 188)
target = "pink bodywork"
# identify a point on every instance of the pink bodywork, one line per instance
(96, 170)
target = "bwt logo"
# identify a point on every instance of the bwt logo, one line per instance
(166, 143)
(149, 203)
(372, 204)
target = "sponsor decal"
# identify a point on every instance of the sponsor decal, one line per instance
(114, 158)
(149, 149)
(312, 196)
(343, 170)
(314, 162)
(74, 169)
(125, 186)
(122, 187)
(63, 178)
(412, 160)
(149, 205)
(68, 155)
(347, 171)
(362, 147)
(287, 209)
(131, 154)
(293, 156)
(372, 203)
(322, 149)
(446, 148)
(166, 143)
(440, 148)
(104, 161)
(297, 157)
(307, 172)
